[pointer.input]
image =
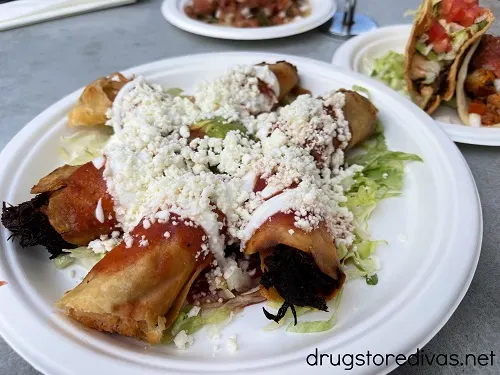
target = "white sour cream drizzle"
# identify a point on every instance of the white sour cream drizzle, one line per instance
(99, 213)
(279, 203)
(99, 162)
(268, 77)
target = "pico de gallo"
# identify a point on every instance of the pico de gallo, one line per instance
(248, 13)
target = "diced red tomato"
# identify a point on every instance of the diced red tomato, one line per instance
(436, 32)
(463, 12)
(439, 38)
(446, 7)
(464, 16)
(470, 15)
(478, 108)
(444, 45)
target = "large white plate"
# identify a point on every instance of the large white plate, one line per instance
(322, 11)
(358, 53)
(434, 232)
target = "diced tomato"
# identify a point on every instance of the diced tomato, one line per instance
(470, 15)
(478, 108)
(439, 38)
(463, 12)
(465, 15)
(444, 45)
(446, 7)
(437, 32)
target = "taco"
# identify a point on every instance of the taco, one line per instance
(478, 84)
(442, 33)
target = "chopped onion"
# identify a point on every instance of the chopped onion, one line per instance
(497, 85)
(474, 120)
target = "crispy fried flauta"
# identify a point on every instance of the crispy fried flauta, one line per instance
(302, 269)
(287, 76)
(138, 291)
(75, 193)
(361, 115)
(95, 100)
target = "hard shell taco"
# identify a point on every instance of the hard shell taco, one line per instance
(478, 84)
(442, 33)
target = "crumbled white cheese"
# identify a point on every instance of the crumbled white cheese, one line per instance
(238, 90)
(195, 310)
(103, 245)
(182, 340)
(231, 344)
(213, 332)
(154, 172)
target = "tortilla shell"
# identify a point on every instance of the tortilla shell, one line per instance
(462, 99)
(422, 24)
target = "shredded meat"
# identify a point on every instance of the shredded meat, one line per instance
(28, 223)
(487, 55)
(297, 279)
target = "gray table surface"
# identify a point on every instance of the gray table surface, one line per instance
(42, 63)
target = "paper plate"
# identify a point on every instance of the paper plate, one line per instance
(434, 231)
(322, 11)
(358, 54)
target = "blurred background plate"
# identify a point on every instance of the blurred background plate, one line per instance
(322, 11)
(358, 55)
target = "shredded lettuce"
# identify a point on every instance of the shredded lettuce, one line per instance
(317, 325)
(81, 255)
(84, 145)
(390, 69)
(415, 13)
(299, 310)
(382, 177)
(192, 324)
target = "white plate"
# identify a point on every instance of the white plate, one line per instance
(358, 53)
(434, 232)
(322, 11)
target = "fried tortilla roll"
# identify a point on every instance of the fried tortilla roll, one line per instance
(335, 121)
(441, 35)
(72, 208)
(287, 76)
(138, 291)
(361, 115)
(301, 269)
(95, 100)
(79, 207)
(248, 89)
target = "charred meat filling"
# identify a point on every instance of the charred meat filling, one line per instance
(298, 280)
(28, 223)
